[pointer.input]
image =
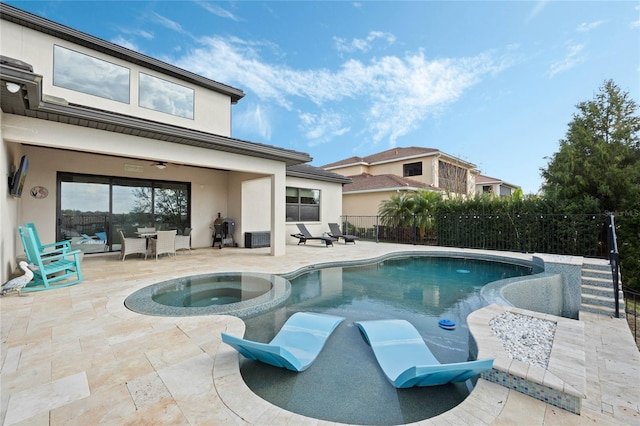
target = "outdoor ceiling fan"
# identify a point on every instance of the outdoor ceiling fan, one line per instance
(160, 165)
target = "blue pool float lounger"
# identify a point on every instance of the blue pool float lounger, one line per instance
(296, 345)
(406, 359)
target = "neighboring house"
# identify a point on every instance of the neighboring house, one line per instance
(116, 140)
(496, 187)
(378, 176)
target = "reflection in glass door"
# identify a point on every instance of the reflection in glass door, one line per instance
(131, 206)
(93, 209)
(84, 214)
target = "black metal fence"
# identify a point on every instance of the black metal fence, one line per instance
(579, 234)
(631, 301)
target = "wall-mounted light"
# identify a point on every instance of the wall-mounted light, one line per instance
(161, 165)
(12, 87)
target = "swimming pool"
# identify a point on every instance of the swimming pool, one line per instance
(238, 293)
(345, 383)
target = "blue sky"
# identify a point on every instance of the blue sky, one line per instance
(492, 82)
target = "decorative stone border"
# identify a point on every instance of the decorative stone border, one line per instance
(562, 383)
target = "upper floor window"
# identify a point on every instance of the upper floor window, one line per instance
(487, 189)
(452, 178)
(303, 205)
(83, 73)
(164, 96)
(412, 169)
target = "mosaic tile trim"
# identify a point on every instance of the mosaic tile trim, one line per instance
(534, 390)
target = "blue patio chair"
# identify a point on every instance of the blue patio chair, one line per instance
(54, 270)
(47, 249)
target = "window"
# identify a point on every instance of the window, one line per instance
(165, 96)
(412, 169)
(83, 73)
(303, 205)
(452, 178)
(487, 189)
(91, 205)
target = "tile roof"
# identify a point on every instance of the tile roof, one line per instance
(367, 182)
(482, 179)
(390, 154)
(311, 172)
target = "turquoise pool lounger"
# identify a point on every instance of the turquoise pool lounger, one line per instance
(407, 361)
(296, 345)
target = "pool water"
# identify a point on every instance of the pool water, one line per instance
(210, 290)
(345, 383)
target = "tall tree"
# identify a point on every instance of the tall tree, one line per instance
(600, 161)
(600, 156)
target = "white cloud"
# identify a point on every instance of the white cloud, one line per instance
(168, 23)
(255, 120)
(218, 11)
(634, 24)
(387, 97)
(572, 59)
(362, 44)
(537, 9)
(321, 128)
(588, 26)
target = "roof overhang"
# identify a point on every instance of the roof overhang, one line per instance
(29, 101)
(305, 171)
(34, 22)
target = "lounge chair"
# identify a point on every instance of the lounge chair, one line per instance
(296, 345)
(305, 235)
(337, 233)
(407, 361)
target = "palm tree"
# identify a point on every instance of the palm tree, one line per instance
(425, 203)
(398, 210)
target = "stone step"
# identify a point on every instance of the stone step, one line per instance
(600, 266)
(594, 299)
(598, 290)
(597, 282)
(601, 310)
(596, 273)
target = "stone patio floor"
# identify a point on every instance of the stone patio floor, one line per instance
(78, 356)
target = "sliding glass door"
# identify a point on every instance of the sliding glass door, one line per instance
(92, 209)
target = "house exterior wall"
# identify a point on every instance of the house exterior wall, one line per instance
(9, 208)
(212, 110)
(209, 191)
(351, 170)
(364, 203)
(330, 206)
(53, 147)
(392, 168)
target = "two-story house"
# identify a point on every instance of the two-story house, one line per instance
(376, 177)
(494, 186)
(115, 139)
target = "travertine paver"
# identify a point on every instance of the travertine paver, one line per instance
(125, 368)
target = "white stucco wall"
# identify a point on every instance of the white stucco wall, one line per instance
(9, 208)
(212, 110)
(330, 206)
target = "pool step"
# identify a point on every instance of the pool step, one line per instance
(598, 295)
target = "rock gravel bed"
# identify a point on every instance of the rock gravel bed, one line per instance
(525, 338)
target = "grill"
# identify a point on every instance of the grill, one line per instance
(223, 230)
